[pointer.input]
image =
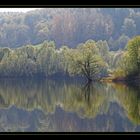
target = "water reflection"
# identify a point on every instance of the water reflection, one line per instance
(50, 105)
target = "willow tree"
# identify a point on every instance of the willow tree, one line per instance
(86, 60)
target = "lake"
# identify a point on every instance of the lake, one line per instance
(68, 106)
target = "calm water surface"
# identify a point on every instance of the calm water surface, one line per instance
(61, 106)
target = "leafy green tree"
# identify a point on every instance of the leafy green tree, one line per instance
(130, 61)
(103, 49)
(133, 48)
(86, 60)
(122, 41)
(64, 60)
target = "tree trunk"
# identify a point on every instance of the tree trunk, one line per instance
(89, 79)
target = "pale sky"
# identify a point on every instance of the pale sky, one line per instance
(17, 9)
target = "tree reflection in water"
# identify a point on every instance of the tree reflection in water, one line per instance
(86, 89)
(68, 105)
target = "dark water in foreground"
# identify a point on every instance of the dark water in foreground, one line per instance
(60, 106)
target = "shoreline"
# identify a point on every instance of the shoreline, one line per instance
(104, 79)
(128, 81)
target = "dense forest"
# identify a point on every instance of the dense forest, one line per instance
(70, 26)
(89, 42)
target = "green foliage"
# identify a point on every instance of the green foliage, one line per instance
(118, 44)
(130, 62)
(87, 61)
(110, 28)
(133, 48)
(45, 60)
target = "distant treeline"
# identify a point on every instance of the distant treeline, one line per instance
(70, 26)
